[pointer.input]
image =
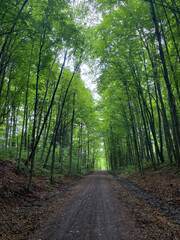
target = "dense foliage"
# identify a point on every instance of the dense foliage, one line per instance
(137, 44)
(49, 121)
(48, 118)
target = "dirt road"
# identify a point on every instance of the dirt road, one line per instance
(96, 207)
(92, 215)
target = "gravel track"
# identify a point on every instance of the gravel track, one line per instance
(92, 215)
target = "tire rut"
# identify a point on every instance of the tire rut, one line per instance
(171, 212)
(91, 216)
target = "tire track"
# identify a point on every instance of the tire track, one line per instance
(168, 210)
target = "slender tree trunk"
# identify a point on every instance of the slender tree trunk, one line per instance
(7, 132)
(106, 153)
(148, 140)
(46, 136)
(31, 156)
(5, 47)
(53, 161)
(24, 134)
(14, 126)
(45, 95)
(159, 119)
(169, 59)
(172, 105)
(169, 142)
(71, 144)
(172, 34)
(134, 133)
(61, 152)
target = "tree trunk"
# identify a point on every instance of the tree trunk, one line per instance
(71, 144)
(172, 105)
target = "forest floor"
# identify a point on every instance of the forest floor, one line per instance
(98, 206)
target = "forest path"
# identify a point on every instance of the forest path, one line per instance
(93, 214)
(96, 206)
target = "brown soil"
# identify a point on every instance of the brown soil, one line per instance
(21, 213)
(150, 224)
(95, 207)
(170, 211)
(12, 187)
(163, 183)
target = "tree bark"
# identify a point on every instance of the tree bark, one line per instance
(71, 144)
(172, 105)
